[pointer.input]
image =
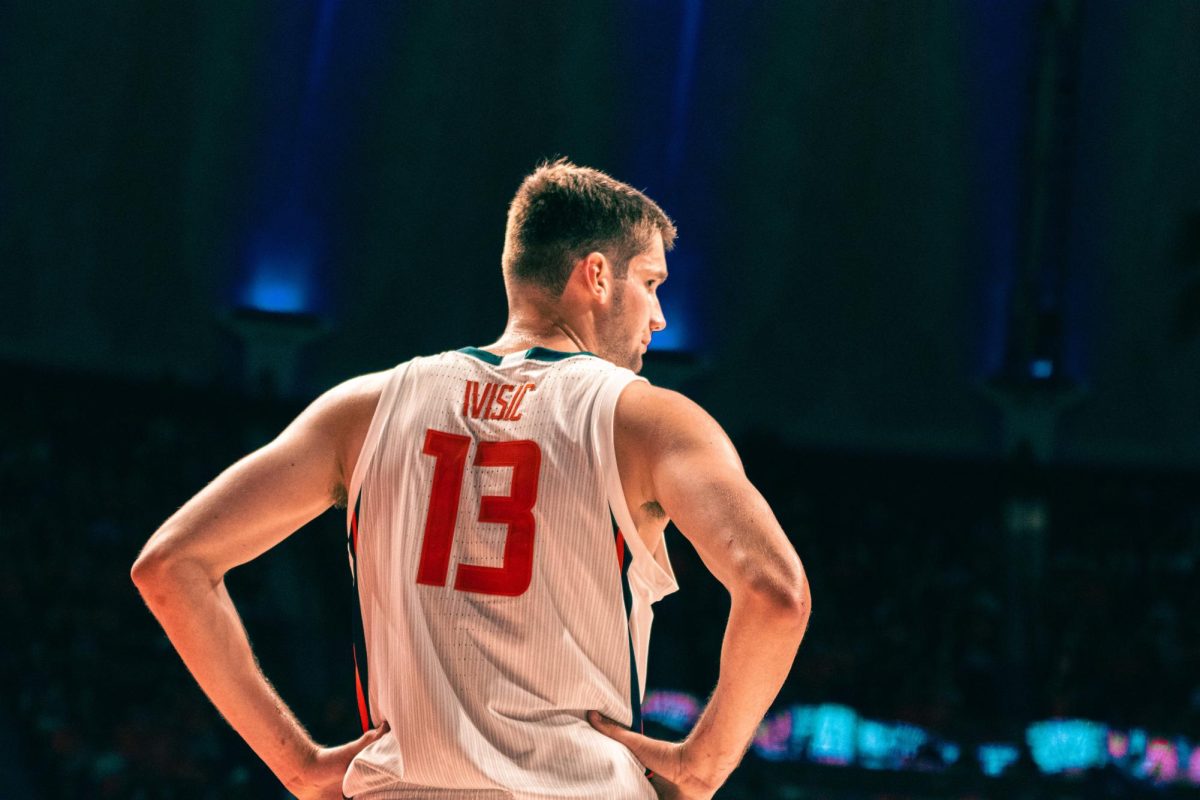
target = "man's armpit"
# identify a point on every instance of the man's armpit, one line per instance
(653, 509)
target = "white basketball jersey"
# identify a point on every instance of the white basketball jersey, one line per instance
(503, 588)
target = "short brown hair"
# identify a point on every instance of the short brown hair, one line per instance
(562, 212)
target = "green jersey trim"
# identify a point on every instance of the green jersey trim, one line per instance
(546, 354)
(533, 354)
(482, 355)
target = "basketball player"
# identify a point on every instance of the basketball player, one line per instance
(505, 512)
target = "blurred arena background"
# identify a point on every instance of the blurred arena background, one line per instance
(938, 275)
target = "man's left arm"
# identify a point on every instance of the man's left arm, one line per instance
(252, 506)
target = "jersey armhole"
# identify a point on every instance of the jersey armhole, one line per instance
(654, 567)
(383, 412)
(603, 424)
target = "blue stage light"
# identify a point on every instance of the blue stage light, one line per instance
(995, 758)
(277, 296)
(888, 745)
(1062, 745)
(675, 710)
(834, 729)
(280, 285)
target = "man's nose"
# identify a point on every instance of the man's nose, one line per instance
(657, 320)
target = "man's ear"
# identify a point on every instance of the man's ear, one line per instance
(597, 275)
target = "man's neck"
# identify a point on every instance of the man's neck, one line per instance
(550, 335)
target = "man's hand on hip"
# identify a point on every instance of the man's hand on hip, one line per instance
(321, 777)
(673, 778)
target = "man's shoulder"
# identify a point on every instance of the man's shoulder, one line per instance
(643, 397)
(346, 410)
(649, 412)
(360, 390)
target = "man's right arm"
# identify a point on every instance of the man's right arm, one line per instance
(248, 509)
(672, 452)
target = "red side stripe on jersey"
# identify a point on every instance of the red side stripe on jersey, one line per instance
(363, 716)
(625, 559)
(358, 643)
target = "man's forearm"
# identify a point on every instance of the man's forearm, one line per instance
(757, 653)
(200, 620)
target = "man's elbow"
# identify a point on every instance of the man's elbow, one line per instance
(793, 601)
(158, 568)
(147, 569)
(786, 599)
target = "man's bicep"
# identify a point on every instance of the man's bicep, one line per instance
(258, 501)
(699, 481)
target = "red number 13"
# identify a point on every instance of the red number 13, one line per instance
(514, 510)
